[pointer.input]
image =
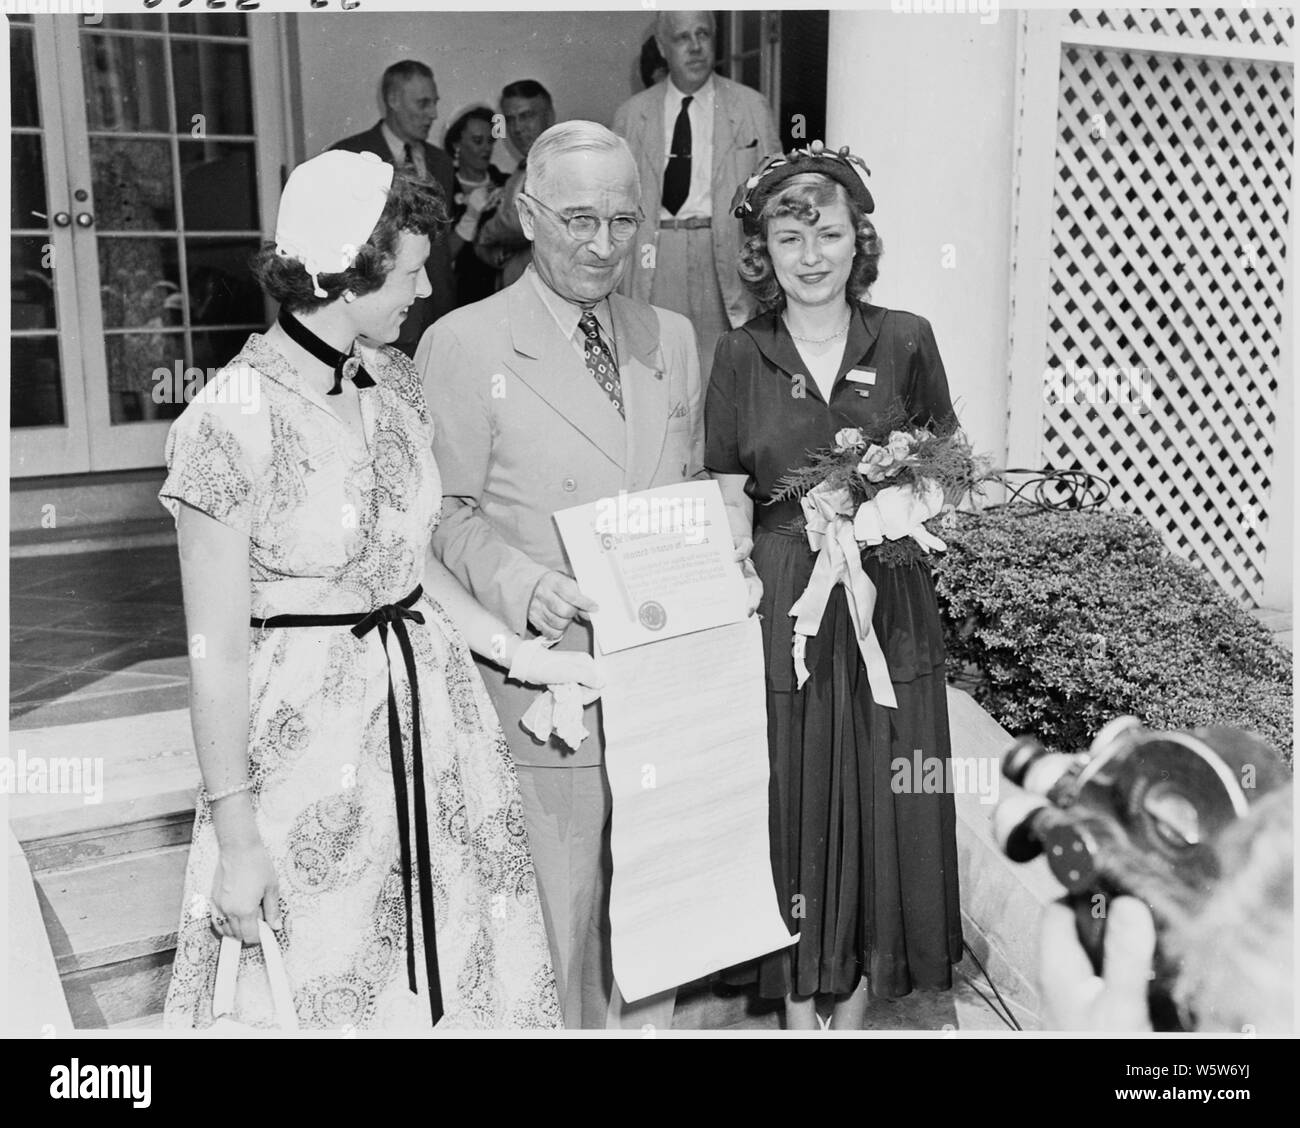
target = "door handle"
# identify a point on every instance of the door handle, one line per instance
(85, 219)
(62, 219)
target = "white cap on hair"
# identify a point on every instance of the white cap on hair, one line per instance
(328, 208)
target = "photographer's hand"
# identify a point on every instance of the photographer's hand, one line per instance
(1074, 998)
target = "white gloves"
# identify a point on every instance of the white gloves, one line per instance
(478, 201)
(535, 664)
(468, 226)
(559, 710)
(753, 586)
(573, 680)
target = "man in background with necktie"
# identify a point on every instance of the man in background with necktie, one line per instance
(557, 392)
(528, 111)
(695, 136)
(409, 97)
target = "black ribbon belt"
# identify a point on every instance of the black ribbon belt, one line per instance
(396, 614)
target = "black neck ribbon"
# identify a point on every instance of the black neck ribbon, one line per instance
(344, 364)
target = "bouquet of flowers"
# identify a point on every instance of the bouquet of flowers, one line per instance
(890, 481)
(873, 493)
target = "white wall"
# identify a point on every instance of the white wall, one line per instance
(587, 60)
(927, 100)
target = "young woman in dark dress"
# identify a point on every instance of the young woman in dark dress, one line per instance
(866, 876)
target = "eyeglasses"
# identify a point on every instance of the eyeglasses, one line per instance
(585, 226)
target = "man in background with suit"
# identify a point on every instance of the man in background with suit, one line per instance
(528, 111)
(557, 392)
(410, 100)
(696, 137)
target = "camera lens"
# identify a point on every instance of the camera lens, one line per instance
(1017, 759)
(1030, 766)
(1015, 825)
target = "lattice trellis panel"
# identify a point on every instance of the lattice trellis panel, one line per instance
(1169, 228)
(1268, 27)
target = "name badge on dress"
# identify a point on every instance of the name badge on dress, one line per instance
(861, 375)
(315, 457)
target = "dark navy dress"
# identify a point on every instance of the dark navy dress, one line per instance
(867, 877)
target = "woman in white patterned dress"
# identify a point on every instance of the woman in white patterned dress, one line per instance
(358, 792)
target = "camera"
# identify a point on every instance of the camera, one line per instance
(1136, 814)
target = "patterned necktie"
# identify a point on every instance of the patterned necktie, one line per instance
(677, 174)
(600, 361)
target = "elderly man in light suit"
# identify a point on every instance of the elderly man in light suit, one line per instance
(557, 392)
(686, 251)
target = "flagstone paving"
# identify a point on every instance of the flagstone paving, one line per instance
(95, 635)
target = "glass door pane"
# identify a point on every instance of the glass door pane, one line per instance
(169, 156)
(36, 394)
(48, 418)
(137, 167)
(172, 155)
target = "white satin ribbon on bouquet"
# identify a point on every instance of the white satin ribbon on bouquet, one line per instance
(897, 512)
(836, 533)
(829, 518)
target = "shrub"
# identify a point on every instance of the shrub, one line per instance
(1071, 618)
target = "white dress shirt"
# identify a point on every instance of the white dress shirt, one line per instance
(567, 314)
(397, 147)
(699, 200)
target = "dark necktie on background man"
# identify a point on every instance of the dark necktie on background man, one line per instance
(408, 158)
(677, 174)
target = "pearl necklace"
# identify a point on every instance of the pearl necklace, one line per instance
(816, 340)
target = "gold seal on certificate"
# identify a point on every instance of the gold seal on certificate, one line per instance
(652, 615)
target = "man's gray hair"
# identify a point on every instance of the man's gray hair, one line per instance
(402, 72)
(571, 137)
(664, 23)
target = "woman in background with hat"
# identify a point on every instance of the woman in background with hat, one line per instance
(357, 791)
(479, 183)
(867, 877)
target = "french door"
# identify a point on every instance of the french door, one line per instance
(145, 168)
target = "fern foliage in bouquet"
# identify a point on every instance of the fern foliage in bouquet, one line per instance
(894, 479)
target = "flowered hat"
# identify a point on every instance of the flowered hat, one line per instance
(328, 209)
(842, 166)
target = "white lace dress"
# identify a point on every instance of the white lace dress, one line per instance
(337, 526)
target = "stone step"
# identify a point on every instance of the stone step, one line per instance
(145, 1023)
(112, 929)
(118, 909)
(120, 995)
(146, 773)
(138, 830)
(97, 501)
(144, 532)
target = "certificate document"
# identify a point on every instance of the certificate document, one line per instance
(685, 722)
(658, 562)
